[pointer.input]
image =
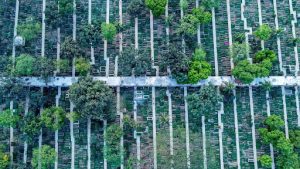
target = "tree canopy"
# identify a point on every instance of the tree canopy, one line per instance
(53, 117)
(70, 49)
(46, 157)
(157, 6)
(108, 31)
(25, 65)
(30, 29)
(266, 161)
(136, 8)
(8, 118)
(83, 66)
(4, 158)
(264, 32)
(93, 99)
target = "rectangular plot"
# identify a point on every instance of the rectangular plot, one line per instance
(276, 101)
(245, 133)
(292, 117)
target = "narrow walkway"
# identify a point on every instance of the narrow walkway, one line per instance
(278, 41)
(105, 41)
(138, 139)
(215, 42)
(236, 128)
(43, 28)
(297, 104)
(204, 142)
(89, 143)
(11, 136)
(260, 21)
(187, 129)
(25, 142)
(74, 34)
(90, 22)
(198, 29)
(120, 113)
(171, 127)
(229, 30)
(253, 127)
(72, 139)
(152, 44)
(15, 29)
(294, 22)
(269, 113)
(248, 30)
(154, 129)
(57, 98)
(221, 128)
(104, 144)
(286, 129)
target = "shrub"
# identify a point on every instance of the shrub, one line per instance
(46, 156)
(70, 49)
(136, 8)
(63, 65)
(31, 125)
(264, 32)
(8, 119)
(82, 66)
(109, 31)
(264, 54)
(239, 51)
(4, 159)
(265, 161)
(53, 118)
(157, 6)
(29, 30)
(44, 67)
(25, 65)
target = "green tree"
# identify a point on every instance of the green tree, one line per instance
(4, 159)
(136, 8)
(30, 29)
(263, 55)
(265, 161)
(63, 65)
(8, 118)
(199, 69)
(264, 32)
(109, 31)
(93, 99)
(239, 51)
(25, 65)
(290, 161)
(274, 122)
(113, 151)
(127, 61)
(208, 4)
(53, 117)
(204, 102)
(31, 125)
(90, 34)
(157, 6)
(142, 63)
(46, 157)
(83, 66)
(70, 49)
(44, 67)
(295, 137)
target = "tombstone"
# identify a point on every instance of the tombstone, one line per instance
(19, 41)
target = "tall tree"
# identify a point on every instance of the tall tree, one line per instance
(45, 156)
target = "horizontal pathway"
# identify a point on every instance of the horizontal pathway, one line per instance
(159, 81)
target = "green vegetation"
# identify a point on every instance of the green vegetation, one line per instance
(30, 29)
(189, 23)
(25, 65)
(70, 49)
(46, 157)
(208, 4)
(31, 125)
(108, 31)
(113, 150)
(264, 32)
(287, 158)
(53, 118)
(8, 118)
(136, 8)
(199, 68)
(239, 51)
(82, 66)
(157, 6)
(4, 159)
(266, 161)
(93, 99)
(204, 102)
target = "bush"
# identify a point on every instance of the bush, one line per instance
(44, 67)
(4, 159)
(239, 51)
(46, 157)
(264, 54)
(31, 125)
(53, 118)
(265, 161)
(8, 119)
(208, 4)
(109, 31)
(63, 65)
(157, 6)
(136, 8)
(83, 66)
(70, 49)
(25, 65)
(29, 30)
(264, 32)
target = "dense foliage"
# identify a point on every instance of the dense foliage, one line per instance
(204, 102)
(31, 125)
(93, 99)
(108, 31)
(46, 156)
(70, 49)
(264, 32)
(287, 158)
(156, 6)
(82, 66)
(30, 29)
(136, 8)
(4, 159)
(113, 150)
(53, 117)
(25, 65)
(8, 118)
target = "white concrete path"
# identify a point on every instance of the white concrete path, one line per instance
(11, 136)
(105, 41)
(25, 142)
(170, 110)
(57, 98)
(120, 113)
(154, 129)
(215, 42)
(72, 138)
(43, 28)
(187, 129)
(236, 128)
(89, 143)
(221, 129)
(297, 104)
(253, 128)
(286, 128)
(229, 29)
(278, 41)
(15, 29)
(269, 113)
(104, 142)
(138, 139)
(152, 44)
(204, 142)
(74, 35)
(294, 22)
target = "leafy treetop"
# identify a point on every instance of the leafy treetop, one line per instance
(157, 6)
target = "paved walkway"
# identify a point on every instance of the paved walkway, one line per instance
(160, 81)
(286, 129)
(236, 128)
(204, 142)
(297, 104)
(15, 29)
(25, 143)
(57, 97)
(171, 127)
(187, 130)
(253, 127)
(72, 139)
(154, 129)
(269, 113)
(278, 41)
